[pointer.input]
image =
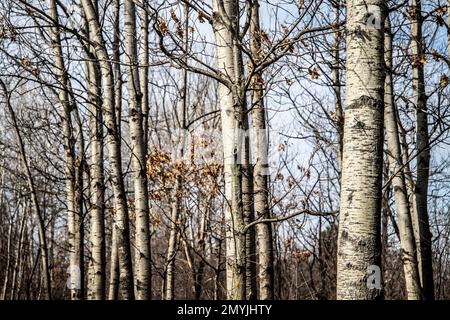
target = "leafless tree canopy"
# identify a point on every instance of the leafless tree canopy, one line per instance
(224, 149)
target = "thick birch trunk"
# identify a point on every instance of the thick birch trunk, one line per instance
(230, 101)
(359, 242)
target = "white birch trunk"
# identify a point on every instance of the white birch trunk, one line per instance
(73, 217)
(225, 18)
(138, 152)
(260, 170)
(97, 187)
(407, 240)
(359, 242)
(115, 160)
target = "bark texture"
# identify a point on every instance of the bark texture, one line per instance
(121, 219)
(97, 186)
(225, 26)
(359, 242)
(74, 207)
(138, 152)
(260, 170)
(407, 241)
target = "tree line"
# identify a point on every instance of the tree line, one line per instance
(224, 149)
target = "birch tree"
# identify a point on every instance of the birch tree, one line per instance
(260, 173)
(231, 100)
(420, 211)
(359, 242)
(396, 167)
(97, 285)
(67, 73)
(114, 271)
(121, 219)
(138, 150)
(73, 208)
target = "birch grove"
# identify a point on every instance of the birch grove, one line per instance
(224, 149)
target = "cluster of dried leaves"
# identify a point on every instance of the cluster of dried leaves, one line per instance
(163, 171)
(26, 63)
